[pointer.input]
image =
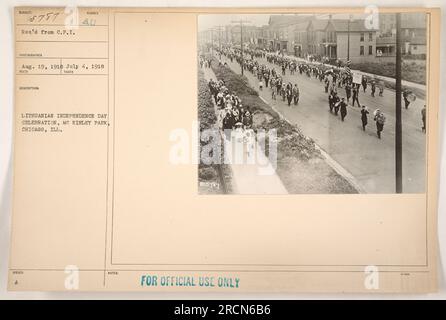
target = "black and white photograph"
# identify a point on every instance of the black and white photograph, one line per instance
(240, 151)
(312, 103)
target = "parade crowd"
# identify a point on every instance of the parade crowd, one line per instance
(333, 80)
(232, 114)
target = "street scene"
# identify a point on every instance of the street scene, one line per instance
(327, 85)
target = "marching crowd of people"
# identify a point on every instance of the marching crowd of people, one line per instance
(334, 80)
(268, 77)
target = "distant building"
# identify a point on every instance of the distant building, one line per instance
(205, 37)
(316, 36)
(417, 45)
(285, 33)
(385, 46)
(387, 24)
(333, 39)
(263, 34)
(413, 33)
(250, 35)
(413, 29)
(341, 39)
(300, 41)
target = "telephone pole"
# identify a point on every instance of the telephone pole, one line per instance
(398, 126)
(241, 40)
(212, 42)
(348, 38)
(219, 35)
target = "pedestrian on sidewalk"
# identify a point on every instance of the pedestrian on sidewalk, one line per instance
(364, 113)
(380, 119)
(247, 118)
(228, 123)
(343, 106)
(261, 85)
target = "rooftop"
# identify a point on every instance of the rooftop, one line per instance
(355, 26)
(288, 19)
(318, 24)
(413, 21)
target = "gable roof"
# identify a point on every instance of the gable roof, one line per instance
(418, 41)
(318, 24)
(302, 26)
(413, 21)
(287, 19)
(385, 40)
(355, 26)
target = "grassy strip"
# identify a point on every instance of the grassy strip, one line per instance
(239, 84)
(206, 112)
(411, 71)
(300, 165)
(208, 175)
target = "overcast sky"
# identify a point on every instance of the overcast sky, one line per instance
(211, 20)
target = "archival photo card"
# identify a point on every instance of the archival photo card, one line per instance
(306, 103)
(225, 150)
